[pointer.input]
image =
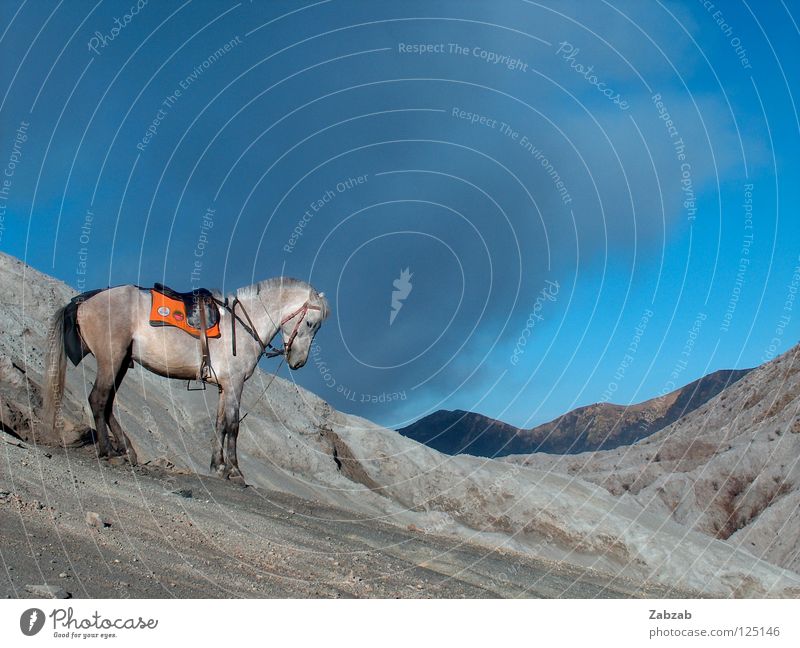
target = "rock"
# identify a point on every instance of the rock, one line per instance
(184, 492)
(96, 520)
(63, 575)
(161, 462)
(48, 591)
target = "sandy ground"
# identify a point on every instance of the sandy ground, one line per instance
(182, 535)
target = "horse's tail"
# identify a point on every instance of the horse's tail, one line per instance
(54, 373)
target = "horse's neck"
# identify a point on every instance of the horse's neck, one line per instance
(263, 315)
(267, 308)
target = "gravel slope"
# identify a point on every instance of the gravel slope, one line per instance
(224, 541)
(295, 448)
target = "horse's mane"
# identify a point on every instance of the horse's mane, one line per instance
(276, 283)
(270, 284)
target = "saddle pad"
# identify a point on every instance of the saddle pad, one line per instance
(166, 311)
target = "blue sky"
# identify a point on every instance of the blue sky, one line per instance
(495, 149)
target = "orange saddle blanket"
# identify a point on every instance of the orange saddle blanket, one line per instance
(183, 314)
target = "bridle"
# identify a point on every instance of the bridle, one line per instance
(268, 350)
(287, 346)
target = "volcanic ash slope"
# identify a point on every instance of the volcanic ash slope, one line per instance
(293, 442)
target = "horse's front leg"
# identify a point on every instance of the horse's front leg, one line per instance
(217, 461)
(232, 471)
(232, 467)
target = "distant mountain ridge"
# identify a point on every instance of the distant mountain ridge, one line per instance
(601, 426)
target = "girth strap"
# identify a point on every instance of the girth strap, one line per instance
(205, 361)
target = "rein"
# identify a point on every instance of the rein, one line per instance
(264, 391)
(304, 310)
(251, 329)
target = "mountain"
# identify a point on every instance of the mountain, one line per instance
(335, 506)
(459, 432)
(600, 426)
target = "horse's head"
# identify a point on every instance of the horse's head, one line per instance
(299, 326)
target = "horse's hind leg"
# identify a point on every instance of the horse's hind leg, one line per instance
(106, 326)
(120, 443)
(123, 442)
(112, 363)
(98, 401)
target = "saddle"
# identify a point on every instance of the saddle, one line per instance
(195, 312)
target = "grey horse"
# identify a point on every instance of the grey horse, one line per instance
(113, 325)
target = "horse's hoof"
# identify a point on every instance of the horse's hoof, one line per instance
(124, 458)
(238, 480)
(235, 476)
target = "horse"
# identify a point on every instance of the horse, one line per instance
(113, 324)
